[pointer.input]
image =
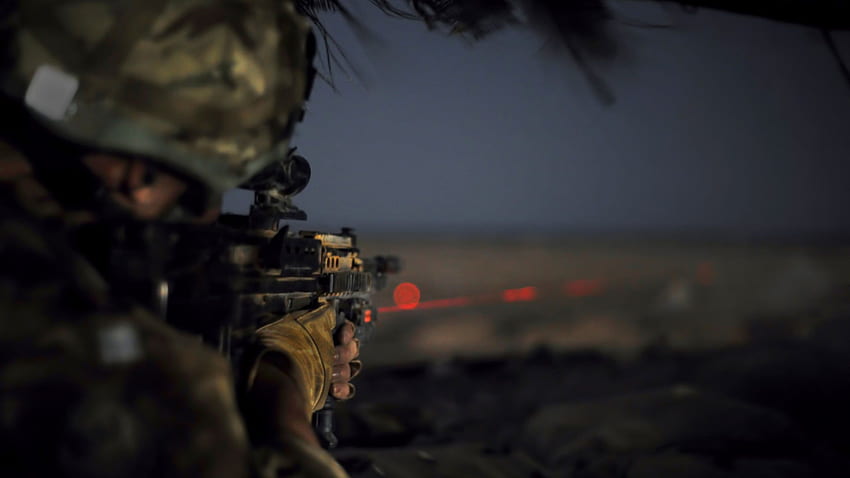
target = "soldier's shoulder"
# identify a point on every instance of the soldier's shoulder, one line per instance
(100, 388)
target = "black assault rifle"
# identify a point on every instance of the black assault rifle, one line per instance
(224, 281)
(258, 271)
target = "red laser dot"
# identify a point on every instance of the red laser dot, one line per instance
(367, 316)
(406, 296)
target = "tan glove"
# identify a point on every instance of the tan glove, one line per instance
(305, 338)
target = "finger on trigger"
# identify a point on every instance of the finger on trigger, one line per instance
(345, 333)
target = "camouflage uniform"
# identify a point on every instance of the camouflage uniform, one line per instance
(90, 388)
(91, 384)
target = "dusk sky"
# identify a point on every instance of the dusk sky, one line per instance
(722, 122)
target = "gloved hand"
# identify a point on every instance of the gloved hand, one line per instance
(302, 346)
(291, 379)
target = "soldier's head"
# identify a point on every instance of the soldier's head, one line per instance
(159, 100)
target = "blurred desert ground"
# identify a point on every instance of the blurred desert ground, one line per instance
(603, 357)
(617, 294)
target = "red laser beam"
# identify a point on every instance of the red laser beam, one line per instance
(524, 294)
(403, 295)
(445, 303)
(431, 304)
(583, 287)
(407, 296)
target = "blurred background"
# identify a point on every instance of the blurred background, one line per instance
(706, 204)
(657, 287)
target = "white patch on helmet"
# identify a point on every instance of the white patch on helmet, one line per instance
(51, 92)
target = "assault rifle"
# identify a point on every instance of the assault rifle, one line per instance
(250, 271)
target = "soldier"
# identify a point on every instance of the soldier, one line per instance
(144, 111)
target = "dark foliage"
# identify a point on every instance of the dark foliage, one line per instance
(578, 26)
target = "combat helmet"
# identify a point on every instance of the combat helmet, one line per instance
(210, 88)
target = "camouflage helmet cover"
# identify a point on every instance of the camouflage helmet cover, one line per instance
(210, 88)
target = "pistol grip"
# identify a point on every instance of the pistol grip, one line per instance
(323, 422)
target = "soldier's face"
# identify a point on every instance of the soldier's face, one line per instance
(148, 193)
